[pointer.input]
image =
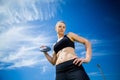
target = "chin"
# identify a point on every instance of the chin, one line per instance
(62, 33)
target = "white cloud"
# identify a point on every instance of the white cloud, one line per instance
(17, 11)
(93, 74)
(80, 48)
(23, 63)
(19, 40)
(98, 54)
(21, 48)
(44, 69)
(19, 34)
(96, 47)
(95, 41)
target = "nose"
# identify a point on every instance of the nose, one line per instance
(62, 28)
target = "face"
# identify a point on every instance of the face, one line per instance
(60, 28)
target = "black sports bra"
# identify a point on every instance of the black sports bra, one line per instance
(65, 42)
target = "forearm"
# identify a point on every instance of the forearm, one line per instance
(49, 58)
(88, 51)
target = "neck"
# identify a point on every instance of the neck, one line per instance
(60, 35)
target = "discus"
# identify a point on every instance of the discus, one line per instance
(45, 48)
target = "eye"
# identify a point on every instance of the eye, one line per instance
(63, 26)
(59, 26)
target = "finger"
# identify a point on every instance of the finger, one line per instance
(80, 63)
(75, 61)
(42, 46)
(79, 60)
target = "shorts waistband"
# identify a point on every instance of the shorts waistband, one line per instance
(66, 62)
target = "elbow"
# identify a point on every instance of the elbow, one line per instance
(88, 57)
(53, 63)
(88, 43)
(88, 47)
(87, 60)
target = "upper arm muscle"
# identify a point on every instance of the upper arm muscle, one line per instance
(75, 37)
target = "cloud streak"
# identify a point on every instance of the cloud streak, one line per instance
(80, 48)
(17, 11)
(19, 40)
(97, 48)
(20, 48)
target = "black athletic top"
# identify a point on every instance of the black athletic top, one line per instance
(65, 42)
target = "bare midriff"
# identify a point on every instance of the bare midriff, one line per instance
(65, 54)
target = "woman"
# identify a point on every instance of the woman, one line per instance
(68, 65)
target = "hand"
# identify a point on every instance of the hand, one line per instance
(42, 46)
(78, 61)
(45, 49)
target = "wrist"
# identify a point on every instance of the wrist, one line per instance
(45, 52)
(85, 60)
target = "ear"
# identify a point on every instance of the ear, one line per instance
(56, 28)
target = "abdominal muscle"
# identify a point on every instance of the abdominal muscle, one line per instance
(65, 55)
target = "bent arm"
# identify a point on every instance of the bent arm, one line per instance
(87, 44)
(51, 59)
(88, 51)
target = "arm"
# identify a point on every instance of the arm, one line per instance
(51, 59)
(87, 44)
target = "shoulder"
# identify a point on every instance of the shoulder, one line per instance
(71, 35)
(75, 37)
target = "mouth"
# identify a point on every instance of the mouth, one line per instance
(61, 31)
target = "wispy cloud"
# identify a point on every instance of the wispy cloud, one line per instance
(97, 48)
(19, 40)
(21, 35)
(80, 48)
(17, 11)
(20, 46)
(21, 49)
(93, 73)
(100, 47)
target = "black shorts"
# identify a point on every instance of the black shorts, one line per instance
(68, 71)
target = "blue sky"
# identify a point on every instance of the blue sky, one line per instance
(27, 24)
